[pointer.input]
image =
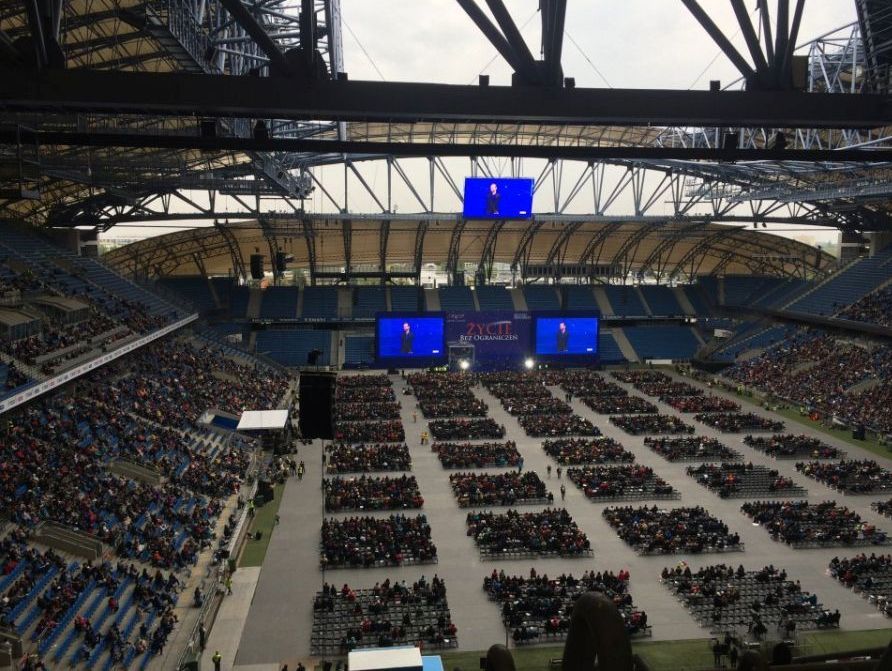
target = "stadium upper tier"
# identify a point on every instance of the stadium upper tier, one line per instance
(617, 247)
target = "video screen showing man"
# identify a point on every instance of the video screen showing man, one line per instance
(498, 198)
(493, 200)
(566, 336)
(563, 337)
(402, 336)
(407, 339)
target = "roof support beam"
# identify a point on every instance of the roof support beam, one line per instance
(525, 69)
(258, 33)
(122, 92)
(720, 39)
(416, 149)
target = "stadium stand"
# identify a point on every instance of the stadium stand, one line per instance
(405, 298)
(291, 347)
(845, 287)
(196, 290)
(661, 300)
(238, 302)
(662, 342)
(320, 303)
(541, 297)
(456, 298)
(494, 298)
(367, 301)
(279, 303)
(625, 300)
(579, 298)
(608, 349)
(359, 350)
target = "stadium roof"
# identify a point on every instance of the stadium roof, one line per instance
(618, 247)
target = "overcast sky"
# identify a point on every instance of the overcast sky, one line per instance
(616, 43)
(633, 43)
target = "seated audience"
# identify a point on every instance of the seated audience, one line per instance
(502, 489)
(580, 451)
(804, 524)
(789, 446)
(363, 458)
(691, 448)
(546, 533)
(368, 493)
(639, 424)
(737, 422)
(851, 477)
(620, 482)
(667, 531)
(366, 542)
(477, 455)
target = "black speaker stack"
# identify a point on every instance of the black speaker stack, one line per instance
(256, 266)
(316, 401)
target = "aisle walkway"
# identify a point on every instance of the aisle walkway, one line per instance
(279, 621)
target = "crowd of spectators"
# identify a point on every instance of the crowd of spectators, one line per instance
(14, 377)
(173, 382)
(883, 507)
(743, 480)
(619, 405)
(367, 542)
(654, 424)
(466, 429)
(817, 371)
(728, 599)
(557, 425)
(364, 458)
(538, 608)
(623, 482)
(738, 422)
(551, 532)
(512, 384)
(670, 389)
(362, 381)
(874, 308)
(653, 530)
(790, 446)
(466, 405)
(370, 493)
(636, 377)
(364, 393)
(388, 614)
(359, 411)
(545, 405)
(691, 448)
(871, 575)
(588, 383)
(390, 431)
(701, 403)
(500, 489)
(477, 455)
(581, 451)
(804, 524)
(446, 395)
(850, 477)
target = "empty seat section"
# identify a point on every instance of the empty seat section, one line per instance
(662, 342)
(608, 350)
(624, 301)
(194, 289)
(405, 299)
(369, 300)
(456, 298)
(580, 298)
(709, 285)
(320, 303)
(742, 289)
(541, 297)
(782, 294)
(359, 349)
(279, 303)
(238, 305)
(661, 300)
(223, 288)
(846, 287)
(697, 299)
(494, 298)
(290, 348)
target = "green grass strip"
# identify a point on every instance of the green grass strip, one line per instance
(264, 520)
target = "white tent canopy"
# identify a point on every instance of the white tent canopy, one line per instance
(263, 420)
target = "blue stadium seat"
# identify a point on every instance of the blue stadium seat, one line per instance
(541, 297)
(405, 299)
(359, 350)
(494, 298)
(847, 286)
(580, 297)
(279, 303)
(320, 303)
(456, 298)
(661, 300)
(290, 347)
(662, 342)
(624, 300)
(367, 301)
(196, 290)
